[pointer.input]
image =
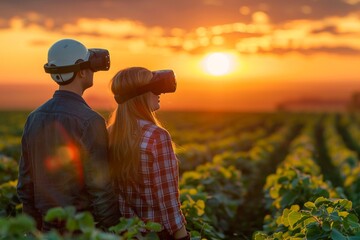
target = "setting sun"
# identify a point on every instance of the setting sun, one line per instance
(218, 64)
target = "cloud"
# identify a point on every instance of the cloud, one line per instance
(326, 29)
(187, 14)
(197, 27)
(352, 2)
(331, 35)
(122, 28)
(340, 50)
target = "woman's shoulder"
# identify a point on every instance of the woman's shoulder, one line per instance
(152, 129)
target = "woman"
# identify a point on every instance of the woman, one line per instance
(142, 156)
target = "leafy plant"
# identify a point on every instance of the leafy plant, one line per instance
(79, 226)
(19, 227)
(193, 205)
(8, 169)
(322, 219)
(9, 201)
(134, 228)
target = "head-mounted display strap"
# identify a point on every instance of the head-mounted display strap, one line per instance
(66, 69)
(121, 98)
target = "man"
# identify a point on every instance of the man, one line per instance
(64, 158)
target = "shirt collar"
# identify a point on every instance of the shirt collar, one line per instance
(69, 95)
(144, 122)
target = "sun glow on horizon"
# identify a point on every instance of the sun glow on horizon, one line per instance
(218, 63)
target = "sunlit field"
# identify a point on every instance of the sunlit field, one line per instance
(243, 176)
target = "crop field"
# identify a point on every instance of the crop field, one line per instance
(242, 176)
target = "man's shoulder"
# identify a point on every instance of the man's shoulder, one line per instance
(79, 111)
(89, 116)
(89, 113)
(95, 116)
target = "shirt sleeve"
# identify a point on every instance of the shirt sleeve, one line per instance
(98, 182)
(25, 185)
(166, 182)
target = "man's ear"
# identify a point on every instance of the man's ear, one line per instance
(81, 73)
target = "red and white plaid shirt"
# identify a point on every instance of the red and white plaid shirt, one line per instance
(156, 196)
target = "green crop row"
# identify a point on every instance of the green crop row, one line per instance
(212, 193)
(224, 163)
(345, 159)
(301, 204)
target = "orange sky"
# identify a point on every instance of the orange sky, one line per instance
(280, 51)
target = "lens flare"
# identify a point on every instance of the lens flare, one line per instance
(65, 156)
